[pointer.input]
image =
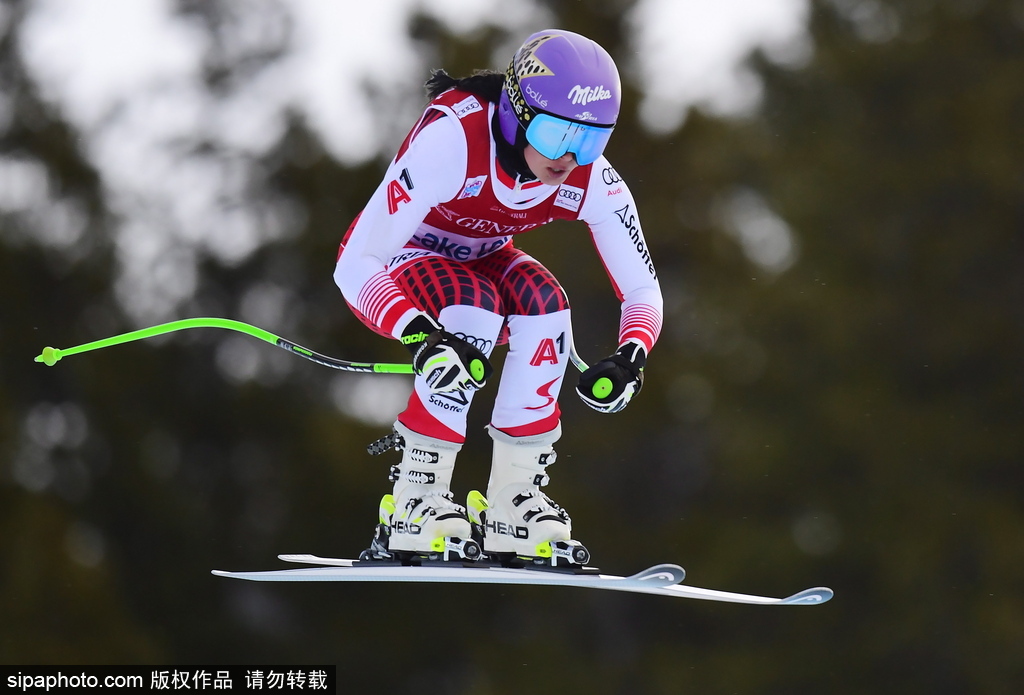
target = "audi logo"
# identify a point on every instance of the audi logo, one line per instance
(610, 176)
(481, 344)
(571, 195)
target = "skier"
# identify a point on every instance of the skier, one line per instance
(430, 261)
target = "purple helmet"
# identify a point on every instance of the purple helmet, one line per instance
(563, 90)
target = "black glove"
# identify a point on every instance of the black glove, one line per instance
(449, 363)
(609, 385)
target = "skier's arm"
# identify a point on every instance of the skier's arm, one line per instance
(610, 212)
(426, 173)
(429, 169)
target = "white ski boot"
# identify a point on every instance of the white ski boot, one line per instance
(420, 519)
(517, 520)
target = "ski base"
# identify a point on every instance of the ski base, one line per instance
(660, 580)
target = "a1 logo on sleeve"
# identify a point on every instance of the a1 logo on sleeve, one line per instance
(569, 197)
(397, 194)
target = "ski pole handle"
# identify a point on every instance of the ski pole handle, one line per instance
(50, 356)
(576, 360)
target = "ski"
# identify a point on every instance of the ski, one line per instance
(660, 580)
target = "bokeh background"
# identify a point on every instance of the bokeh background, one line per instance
(833, 192)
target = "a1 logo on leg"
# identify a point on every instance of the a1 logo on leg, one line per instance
(547, 352)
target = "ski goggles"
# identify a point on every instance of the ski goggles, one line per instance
(552, 137)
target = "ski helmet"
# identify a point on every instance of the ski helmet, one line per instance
(563, 90)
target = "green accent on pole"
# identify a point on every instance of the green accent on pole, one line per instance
(158, 330)
(382, 368)
(602, 387)
(50, 356)
(476, 369)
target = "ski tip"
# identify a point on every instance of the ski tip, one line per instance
(661, 575)
(809, 597)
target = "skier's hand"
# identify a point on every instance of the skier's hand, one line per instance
(449, 363)
(609, 385)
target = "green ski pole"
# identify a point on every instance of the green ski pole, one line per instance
(50, 356)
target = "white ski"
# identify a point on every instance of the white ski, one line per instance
(661, 580)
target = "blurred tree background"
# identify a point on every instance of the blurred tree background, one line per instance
(836, 398)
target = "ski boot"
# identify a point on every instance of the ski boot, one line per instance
(519, 524)
(379, 549)
(420, 520)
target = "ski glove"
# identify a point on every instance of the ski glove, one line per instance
(448, 362)
(609, 385)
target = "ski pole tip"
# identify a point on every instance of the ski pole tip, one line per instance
(50, 356)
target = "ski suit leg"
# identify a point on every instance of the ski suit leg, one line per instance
(539, 338)
(468, 305)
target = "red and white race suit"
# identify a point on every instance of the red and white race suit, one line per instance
(437, 238)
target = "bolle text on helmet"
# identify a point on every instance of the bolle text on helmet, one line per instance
(515, 96)
(584, 95)
(536, 96)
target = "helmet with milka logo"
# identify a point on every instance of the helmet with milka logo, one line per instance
(563, 91)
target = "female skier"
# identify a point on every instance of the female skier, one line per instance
(430, 261)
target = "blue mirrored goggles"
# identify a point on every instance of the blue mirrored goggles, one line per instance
(552, 137)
